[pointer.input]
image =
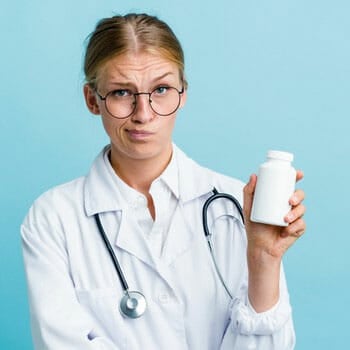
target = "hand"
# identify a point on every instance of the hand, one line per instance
(270, 240)
(267, 245)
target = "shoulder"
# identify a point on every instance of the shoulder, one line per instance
(65, 192)
(55, 203)
(200, 180)
(224, 183)
(64, 202)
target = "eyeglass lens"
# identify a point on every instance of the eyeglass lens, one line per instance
(163, 101)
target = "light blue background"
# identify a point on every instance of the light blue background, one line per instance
(262, 75)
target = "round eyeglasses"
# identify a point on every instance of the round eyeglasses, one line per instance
(121, 103)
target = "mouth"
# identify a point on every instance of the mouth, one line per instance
(139, 134)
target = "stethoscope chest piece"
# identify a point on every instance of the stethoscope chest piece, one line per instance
(133, 304)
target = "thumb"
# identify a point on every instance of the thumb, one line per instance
(248, 194)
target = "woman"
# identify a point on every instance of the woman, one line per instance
(147, 197)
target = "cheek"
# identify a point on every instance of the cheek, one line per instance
(113, 127)
(167, 128)
(171, 124)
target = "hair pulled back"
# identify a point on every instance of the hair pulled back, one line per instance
(132, 33)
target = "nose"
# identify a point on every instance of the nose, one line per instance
(143, 111)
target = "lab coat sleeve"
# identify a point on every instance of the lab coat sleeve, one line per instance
(272, 329)
(58, 320)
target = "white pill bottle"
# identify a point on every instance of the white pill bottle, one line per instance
(275, 186)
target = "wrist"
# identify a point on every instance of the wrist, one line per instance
(263, 279)
(262, 258)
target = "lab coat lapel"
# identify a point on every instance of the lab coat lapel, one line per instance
(132, 239)
(180, 236)
(186, 225)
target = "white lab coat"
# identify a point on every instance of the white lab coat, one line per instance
(74, 291)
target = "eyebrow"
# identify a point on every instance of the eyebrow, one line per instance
(162, 76)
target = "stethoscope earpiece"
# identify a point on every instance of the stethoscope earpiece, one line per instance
(133, 304)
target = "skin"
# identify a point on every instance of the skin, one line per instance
(142, 144)
(267, 245)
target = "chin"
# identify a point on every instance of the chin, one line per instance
(146, 152)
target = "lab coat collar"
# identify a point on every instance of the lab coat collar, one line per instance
(170, 175)
(194, 180)
(101, 193)
(186, 179)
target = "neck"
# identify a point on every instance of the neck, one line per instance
(139, 173)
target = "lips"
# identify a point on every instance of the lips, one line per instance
(139, 134)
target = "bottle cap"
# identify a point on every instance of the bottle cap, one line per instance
(280, 155)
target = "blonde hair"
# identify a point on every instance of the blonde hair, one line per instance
(133, 32)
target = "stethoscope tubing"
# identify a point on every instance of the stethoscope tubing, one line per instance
(133, 304)
(208, 234)
(213, 197)
(137, 298)
(115, 261)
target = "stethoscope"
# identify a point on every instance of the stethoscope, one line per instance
(133, 303)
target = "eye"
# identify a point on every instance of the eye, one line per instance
(161, 90)
(121, 93)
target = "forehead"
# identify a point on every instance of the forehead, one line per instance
(136, 67)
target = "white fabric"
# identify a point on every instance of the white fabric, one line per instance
(164, 192)
(74, 291)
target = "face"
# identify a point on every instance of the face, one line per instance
(144, 135)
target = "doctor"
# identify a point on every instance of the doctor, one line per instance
(149, 196)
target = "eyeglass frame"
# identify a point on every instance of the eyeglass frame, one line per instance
(104, 98)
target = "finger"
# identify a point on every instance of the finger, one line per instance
(292, 236)
(297, 197)
(248, 194)
(295, 229)
(299, 175)
(297, 234)
(296, 213)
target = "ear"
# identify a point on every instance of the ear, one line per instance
(183, 99)
(91, 100)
